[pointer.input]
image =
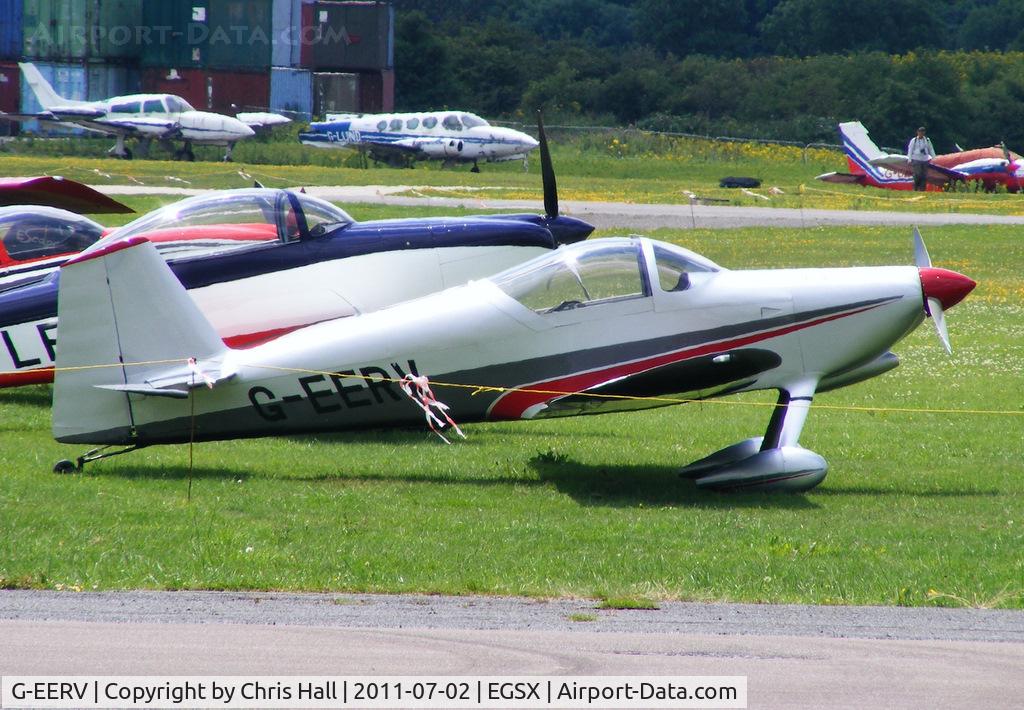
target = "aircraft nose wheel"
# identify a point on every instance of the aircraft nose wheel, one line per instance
(64, 466)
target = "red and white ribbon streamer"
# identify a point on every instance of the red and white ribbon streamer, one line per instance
(194, 366)
(417, 387)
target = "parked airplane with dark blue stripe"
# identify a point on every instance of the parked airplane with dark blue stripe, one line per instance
(263, 262)
(399, 138)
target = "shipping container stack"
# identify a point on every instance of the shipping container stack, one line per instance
(349, 46)
(10, 53)
(303, 58)
(88, 49)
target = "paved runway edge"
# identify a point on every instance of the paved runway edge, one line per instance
(622, 215)
(511, 613)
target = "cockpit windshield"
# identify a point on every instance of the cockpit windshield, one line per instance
(675, 265)
(472, 121)
(578, 275)
(176, 104)
(38, 232)
(228, 219)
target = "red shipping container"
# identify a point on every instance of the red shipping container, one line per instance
(189, 84)
(10, 87)
(371, 92)
(231, 92)
(10, 96)
(307, 35)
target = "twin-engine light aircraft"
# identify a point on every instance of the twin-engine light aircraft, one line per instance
(162, 117)
(869, 165)
(399, 138)
(604, 325)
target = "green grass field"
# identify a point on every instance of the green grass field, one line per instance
(919, 508)
(626, 166)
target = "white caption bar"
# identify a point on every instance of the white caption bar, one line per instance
(525, 692)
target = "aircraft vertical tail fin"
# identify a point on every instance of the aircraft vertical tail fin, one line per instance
(46, 95)
(859, 147)
(127, 329)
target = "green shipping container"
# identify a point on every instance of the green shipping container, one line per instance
(240, 34)
(56, 30)
(117, 30)
(178, 33)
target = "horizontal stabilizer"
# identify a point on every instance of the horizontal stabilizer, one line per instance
(842, 178)
(262, 119)
(896, 163)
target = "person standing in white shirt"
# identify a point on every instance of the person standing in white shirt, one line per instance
(920, 152)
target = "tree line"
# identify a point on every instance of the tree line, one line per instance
(783, 69)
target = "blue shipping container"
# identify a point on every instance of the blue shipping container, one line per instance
(286, 33)
(291, 92)
(108, 80)
(68, 80)
(10, 28)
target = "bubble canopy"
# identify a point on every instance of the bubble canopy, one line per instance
(31, 233)
(600, 271)
(247, 215)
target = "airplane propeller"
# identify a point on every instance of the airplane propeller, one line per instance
(942, 289)
(547, 171)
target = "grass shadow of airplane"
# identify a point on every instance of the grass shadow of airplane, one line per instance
(634, 485)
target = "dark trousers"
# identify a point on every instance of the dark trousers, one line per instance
(920, 174)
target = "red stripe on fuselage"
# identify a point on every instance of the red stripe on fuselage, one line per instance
(513, 404)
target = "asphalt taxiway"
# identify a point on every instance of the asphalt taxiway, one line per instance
(618, 215)
(793, 656)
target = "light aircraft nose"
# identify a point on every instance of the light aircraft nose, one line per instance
(947, 286)
(242, 129)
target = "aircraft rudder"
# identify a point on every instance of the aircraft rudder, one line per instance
(124, 320)
(46, 95)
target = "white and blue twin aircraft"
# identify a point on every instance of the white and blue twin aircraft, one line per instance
(399, 138)
(162, 117)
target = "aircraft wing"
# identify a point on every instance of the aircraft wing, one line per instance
(56, 115)
(140, 126)
(407, 146)
(50, 191)
(262, 119)
(900, 164)
(894, 162)
(842, 178)
(939, 175)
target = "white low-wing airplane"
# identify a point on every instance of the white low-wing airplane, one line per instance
(399, 138)
(163, 117)
(605, 325)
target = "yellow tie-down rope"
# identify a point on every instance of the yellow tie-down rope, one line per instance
(479, 389)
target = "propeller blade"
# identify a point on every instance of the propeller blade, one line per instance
(547, 172)
(1006, 152)
(939, 318)
(921, 258)
(941, 288)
